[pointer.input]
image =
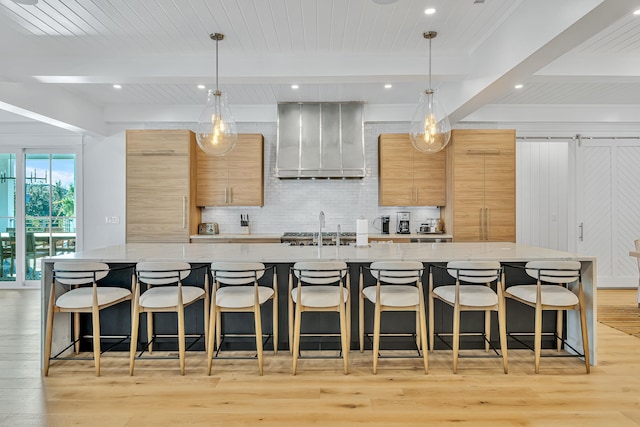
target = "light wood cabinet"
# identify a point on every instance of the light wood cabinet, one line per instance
(236, 179)
(161, 186)
(481, 182)
(409, 177)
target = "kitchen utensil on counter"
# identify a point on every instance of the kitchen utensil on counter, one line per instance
(244, 224)
(403, 223)
(208, 228)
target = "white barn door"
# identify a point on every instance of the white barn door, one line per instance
(609, 208)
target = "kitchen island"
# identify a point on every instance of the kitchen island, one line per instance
(283, 256)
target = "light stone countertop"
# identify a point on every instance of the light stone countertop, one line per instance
(258, 236)
(282, 253)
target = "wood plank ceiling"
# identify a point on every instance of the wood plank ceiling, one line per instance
(336, 50)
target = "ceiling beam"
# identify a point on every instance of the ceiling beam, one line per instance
(534, 35)
(52, 105)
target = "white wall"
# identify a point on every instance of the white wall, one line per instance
(542, 194)
(104, 190)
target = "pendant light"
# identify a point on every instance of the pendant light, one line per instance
(430, 127)
(216, 132)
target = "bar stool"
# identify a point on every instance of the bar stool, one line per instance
(551, 292)
(236, 289)
(320, 287)
(85, 295)
(471, 292)
(165, 293)
(398, 288)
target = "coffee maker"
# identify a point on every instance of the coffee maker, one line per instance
(403, 223)
(385, 223)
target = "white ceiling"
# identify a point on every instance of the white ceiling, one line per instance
(61, 58)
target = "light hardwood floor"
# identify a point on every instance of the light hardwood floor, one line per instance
(480, 394)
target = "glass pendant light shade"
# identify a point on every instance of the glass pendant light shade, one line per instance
(430, 127)
(216, 131)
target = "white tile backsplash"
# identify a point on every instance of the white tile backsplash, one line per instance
(294, 205)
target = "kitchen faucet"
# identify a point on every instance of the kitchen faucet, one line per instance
(321, 221)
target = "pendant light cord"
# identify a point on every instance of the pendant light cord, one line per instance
(217, 65)
(430, 88)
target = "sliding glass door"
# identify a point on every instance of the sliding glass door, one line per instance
(50, 208)
(39, 221)
(7, 218)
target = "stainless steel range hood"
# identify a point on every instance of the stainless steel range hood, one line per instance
(320, 140)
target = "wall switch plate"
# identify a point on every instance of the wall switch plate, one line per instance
(112, 220)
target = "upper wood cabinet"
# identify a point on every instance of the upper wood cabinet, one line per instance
(236, 179)
(160, 186)
(481, 182)
(409, 177)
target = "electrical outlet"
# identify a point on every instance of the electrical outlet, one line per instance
(112, 220)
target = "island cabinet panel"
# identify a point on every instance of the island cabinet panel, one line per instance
(481, 196)
(409, 177)
(235, 179)
(160, 186)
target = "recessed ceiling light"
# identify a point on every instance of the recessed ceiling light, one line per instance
(294, 86)
(117, 86)
(388, 86)
(518, 86)
(429, 11)
(636, 12)
(202, 87)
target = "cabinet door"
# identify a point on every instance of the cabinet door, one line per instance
(429, 178)
(500, 187)
(468, 188)
(212, 178)
(246, 166)
(395, 157)
(158, 183)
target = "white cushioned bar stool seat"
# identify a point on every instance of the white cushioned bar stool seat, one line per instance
(319, 286)
(551, 292)
(236, 289)
(84, 295)
(398, 288)
(164, 292)
(471, 292)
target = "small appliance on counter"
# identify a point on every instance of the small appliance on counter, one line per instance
(430, 227)
(403, 223)
(208, 228)
(385, 223)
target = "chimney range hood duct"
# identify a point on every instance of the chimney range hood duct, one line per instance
(320, 140)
